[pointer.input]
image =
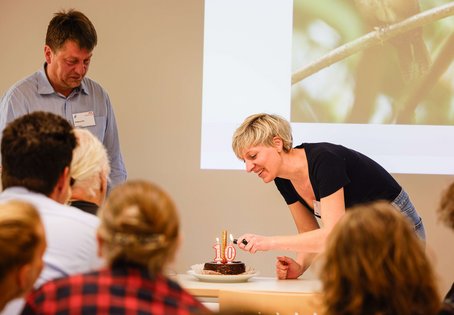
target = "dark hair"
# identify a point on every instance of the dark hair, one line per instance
(35, 150)
(71, 25)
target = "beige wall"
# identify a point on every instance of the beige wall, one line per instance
(149, 58)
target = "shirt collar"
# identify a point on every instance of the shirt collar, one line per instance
(44, 86)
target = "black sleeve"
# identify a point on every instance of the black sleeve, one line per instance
(287, 190)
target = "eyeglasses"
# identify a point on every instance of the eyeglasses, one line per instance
(71, 181)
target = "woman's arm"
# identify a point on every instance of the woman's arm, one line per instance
(309, 241)
(286, 267)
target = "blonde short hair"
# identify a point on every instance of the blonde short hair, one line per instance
(374, 261)
(89, 161)
(19, 235)
(260, 129)
(139, 224)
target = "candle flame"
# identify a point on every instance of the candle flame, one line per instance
(217, 240)
(231, 237)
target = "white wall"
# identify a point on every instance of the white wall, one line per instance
(149, 58)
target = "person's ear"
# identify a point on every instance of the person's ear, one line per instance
(48, 54)
(100, 243)
(62, 190)
(103, 188)
(278, 144)
(63, 179)
(25, 277)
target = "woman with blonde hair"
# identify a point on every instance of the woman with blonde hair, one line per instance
(374, 264)
(316, 180)
(89, 172)
(22, 243)
(138, 237)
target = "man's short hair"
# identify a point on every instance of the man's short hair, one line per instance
(35, 149)
(71, 25)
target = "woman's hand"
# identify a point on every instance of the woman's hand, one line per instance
(255, 243)
(287, 268)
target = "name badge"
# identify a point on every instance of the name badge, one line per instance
(317, 208)
(85, 119)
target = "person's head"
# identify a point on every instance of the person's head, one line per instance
(446, 208)
(258, 142)
(22, 243)
(90, 167)
(261, 130)
(139, 225)
(70, 41)
(375, 264)
(36, 151)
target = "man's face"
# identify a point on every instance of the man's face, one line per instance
(67, 66)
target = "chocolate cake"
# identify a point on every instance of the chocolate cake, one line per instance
(231, 268)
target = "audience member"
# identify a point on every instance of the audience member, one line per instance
(89, 172)
(376, 265)
(138, 236)
(22, 243)
(36, 153)
(446, 215)
(61, 86)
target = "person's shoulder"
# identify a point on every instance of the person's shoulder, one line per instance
(321, 146)
(59, 284)
(318, 148)
(166, 284)
(75, 217)
(93, 86)
(24, 85)
(326, 148)
(80, 215)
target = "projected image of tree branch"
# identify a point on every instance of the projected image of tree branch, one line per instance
(373, 62)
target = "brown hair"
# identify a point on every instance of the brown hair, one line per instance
(139, 224)
(446, 208)
(71, 25)
(375, 264)
(19, 236)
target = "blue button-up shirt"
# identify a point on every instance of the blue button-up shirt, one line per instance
(35, 93)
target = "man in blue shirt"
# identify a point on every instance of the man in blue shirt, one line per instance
(61, 87)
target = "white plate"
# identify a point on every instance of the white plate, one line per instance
(223, 278)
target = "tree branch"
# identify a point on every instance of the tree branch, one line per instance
(406, 112)
(374, 38)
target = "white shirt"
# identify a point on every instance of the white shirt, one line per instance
(70, 235)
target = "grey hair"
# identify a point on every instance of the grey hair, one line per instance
(89, 161)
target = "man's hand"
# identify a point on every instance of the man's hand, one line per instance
(288, 268)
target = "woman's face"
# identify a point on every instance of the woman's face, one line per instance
(263, 161)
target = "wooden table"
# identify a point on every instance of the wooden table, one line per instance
(203, 289)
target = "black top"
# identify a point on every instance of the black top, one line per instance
(332, 167)
(86, 206)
